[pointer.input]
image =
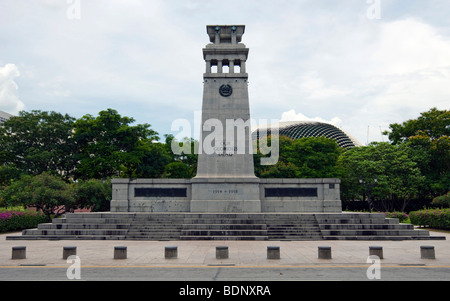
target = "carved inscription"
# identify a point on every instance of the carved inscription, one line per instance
(223, 191)
(225, 149)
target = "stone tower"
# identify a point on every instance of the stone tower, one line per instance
(225, 180)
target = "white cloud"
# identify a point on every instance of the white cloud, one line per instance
(291, 115)
(9, 99)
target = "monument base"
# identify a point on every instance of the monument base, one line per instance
(226, 195)
(235, 195)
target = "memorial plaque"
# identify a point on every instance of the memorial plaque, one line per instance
(160, 192)
(290, 192)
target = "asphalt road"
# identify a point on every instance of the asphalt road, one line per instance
(225, 273)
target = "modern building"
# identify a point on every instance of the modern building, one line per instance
(300, 129)
(4, 116)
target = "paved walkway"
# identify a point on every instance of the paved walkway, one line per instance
(241, 253)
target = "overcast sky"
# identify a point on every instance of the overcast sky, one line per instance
(359, 64)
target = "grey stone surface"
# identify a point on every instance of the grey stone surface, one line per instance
(376, 251)
(324, 252)
(19, 252)
(224, 226)
(120, 252)
(222, 252)
(69, 251)
(171, 252)
(427, 252)
(273, 252)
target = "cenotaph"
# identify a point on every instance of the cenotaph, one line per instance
(225, 180)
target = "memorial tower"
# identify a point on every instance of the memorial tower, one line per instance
(225, 180)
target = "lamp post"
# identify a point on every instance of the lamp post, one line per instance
(368, 189)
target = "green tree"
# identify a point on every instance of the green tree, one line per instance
(36, 142)
(381, 173)
(311, 157)
(154, 158)
(428, 137)
(110, 146)
(183, 164)
(93, 194)
(47, 193)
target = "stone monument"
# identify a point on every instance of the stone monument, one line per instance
(225, 180)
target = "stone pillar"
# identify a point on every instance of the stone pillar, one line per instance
(243, 66)
(231, 66)
(324, 252)
(376, 250)
(219, 66)
(233, 35)
(273, 252)
(120, 252)
(221, 252)
(427, 252)
(208, 66)
(19, 252)
(217, 37)
(171, 252)
(69, 251)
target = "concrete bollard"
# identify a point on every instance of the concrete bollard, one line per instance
(171, 252)
(376, 250)
(221, 252)
(19, 252)
(273, 252)
(120, 252)
(324, 252)
(69, 251)
(427, 252)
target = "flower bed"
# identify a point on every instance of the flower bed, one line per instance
(433, 218)
(14, 220)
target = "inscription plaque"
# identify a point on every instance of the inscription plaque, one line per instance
(160, 192)
(290, 192)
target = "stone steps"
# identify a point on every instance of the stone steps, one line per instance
(223, 237)
(235, 226)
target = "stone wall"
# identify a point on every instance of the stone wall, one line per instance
(232, 195)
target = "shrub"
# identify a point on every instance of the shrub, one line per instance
(13, 220)
(48, 193)
(433, 218)
(402, 216)
(442, 201)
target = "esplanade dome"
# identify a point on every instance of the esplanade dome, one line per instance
(300, 129)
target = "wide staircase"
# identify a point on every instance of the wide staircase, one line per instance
(224, 226)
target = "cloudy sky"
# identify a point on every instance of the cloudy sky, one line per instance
(359, 64)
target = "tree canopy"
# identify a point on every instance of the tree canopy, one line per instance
(429, 138)
(73, 159)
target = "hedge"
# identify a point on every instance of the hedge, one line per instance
(442, 201)
(433, 218)
(13, 220)
(402, 216)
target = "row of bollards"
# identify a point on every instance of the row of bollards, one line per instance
(273, 252)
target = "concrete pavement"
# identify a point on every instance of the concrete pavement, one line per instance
(241, 253)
